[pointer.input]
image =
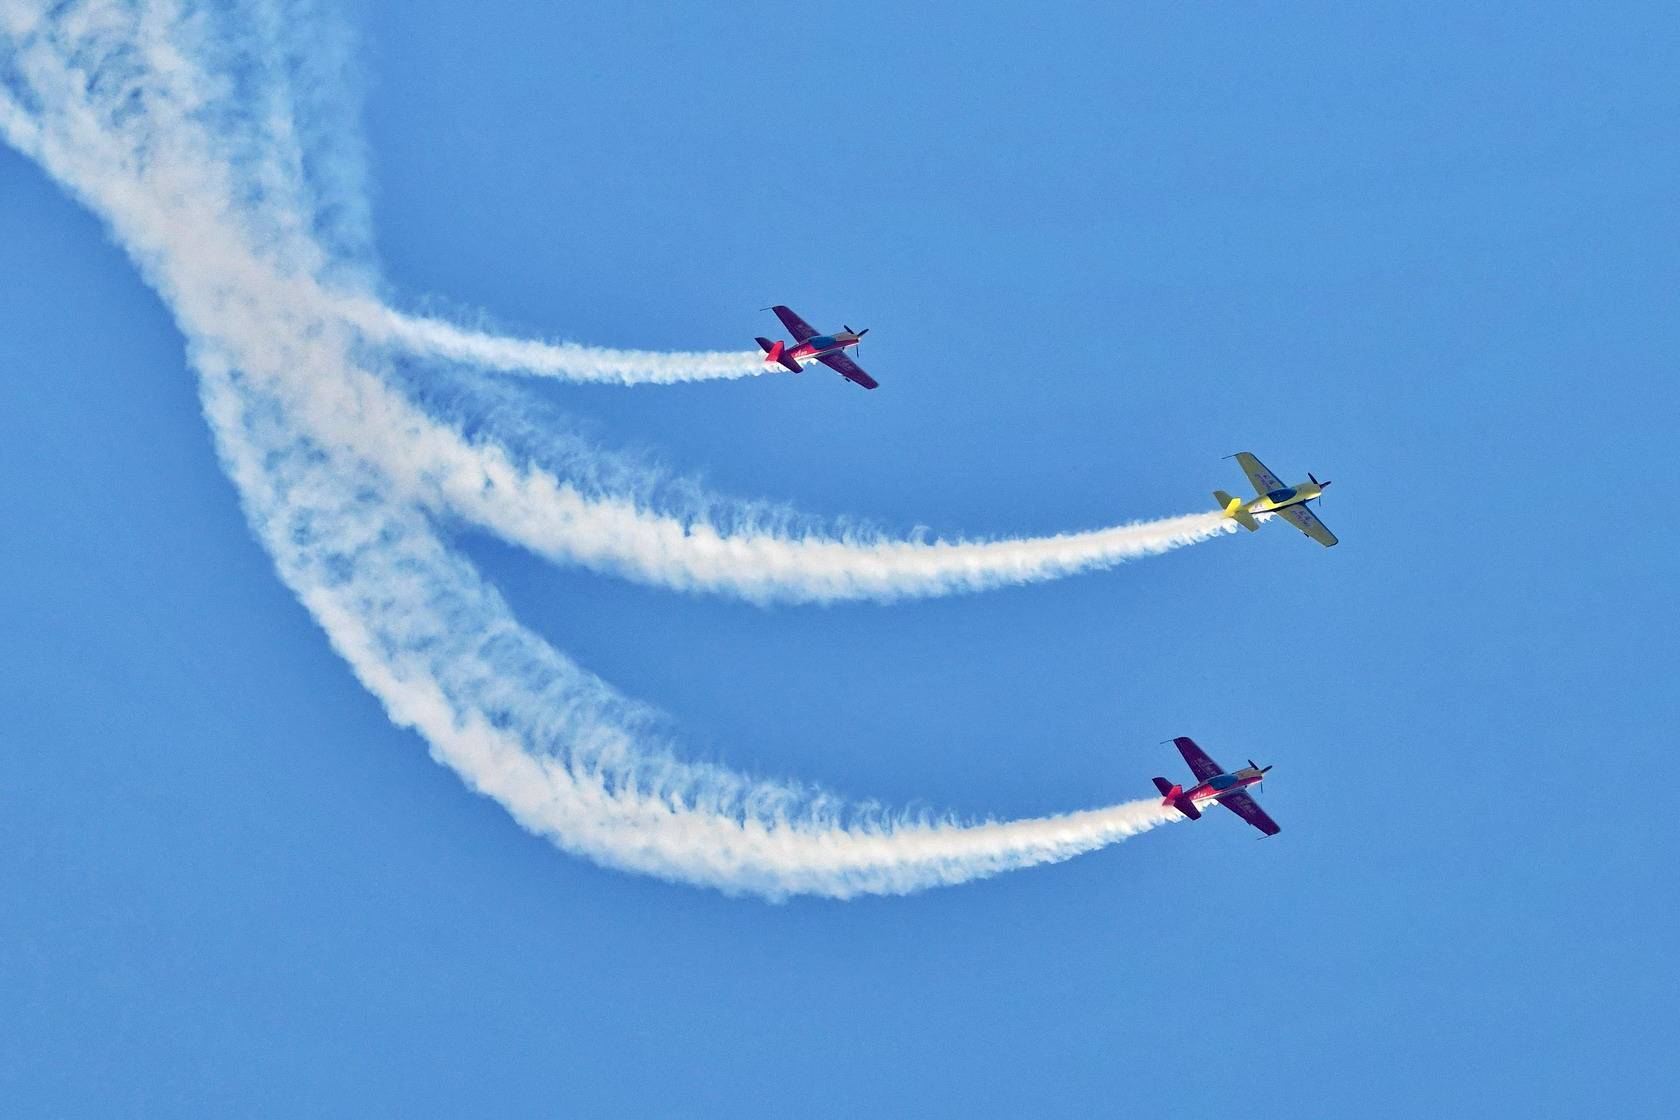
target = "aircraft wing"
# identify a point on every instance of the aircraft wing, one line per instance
(799, 328)
(846, 368)
(1249, 810)
(1263, 480)
(1197, 759)
(1307, 521)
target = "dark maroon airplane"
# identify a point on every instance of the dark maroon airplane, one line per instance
(1214, 784)
(829, 349)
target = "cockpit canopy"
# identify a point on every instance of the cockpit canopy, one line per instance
(1283, 495)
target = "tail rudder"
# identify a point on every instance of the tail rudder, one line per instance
(1235, 510)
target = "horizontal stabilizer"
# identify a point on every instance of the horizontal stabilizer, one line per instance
(1234, 509)
(1173, 794)
(777, 352)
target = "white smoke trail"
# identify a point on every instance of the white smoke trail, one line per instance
(684, 549)
(112, 100)
(569, 758)
(435, 338)
(616, 535)
(483, 484)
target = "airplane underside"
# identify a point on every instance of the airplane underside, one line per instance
(810, 345)
(1273, 498)
(1215, 784)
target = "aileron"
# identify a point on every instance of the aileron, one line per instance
(1262, 479)
(1305, 520)
(848, 369)
(797, 327)
(1249, 810)
(1197, 759)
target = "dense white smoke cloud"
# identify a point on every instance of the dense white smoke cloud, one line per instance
(184, 128)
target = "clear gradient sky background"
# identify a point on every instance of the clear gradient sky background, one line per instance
(1427, 252)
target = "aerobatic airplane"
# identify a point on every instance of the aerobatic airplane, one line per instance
(1288, 502)
(829, 349)
(1214, 784)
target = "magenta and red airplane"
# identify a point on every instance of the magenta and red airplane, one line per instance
(808, 345)
(1214, 784)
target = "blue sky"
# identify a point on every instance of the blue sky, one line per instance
(1427, 253)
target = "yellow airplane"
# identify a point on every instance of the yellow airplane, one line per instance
(1273, 497)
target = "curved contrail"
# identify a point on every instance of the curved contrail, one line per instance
(485, 485)
(567, 756)
(684, 548)
(122, 103)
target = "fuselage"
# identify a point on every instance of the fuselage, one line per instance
(1222, 785)
(813, 348)
(1272, 501)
